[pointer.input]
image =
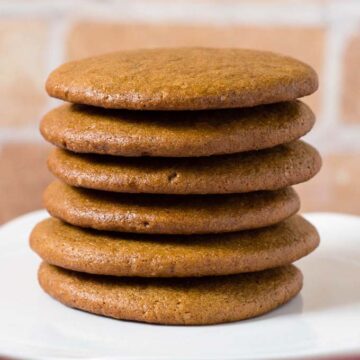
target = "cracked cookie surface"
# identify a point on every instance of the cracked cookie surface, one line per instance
(267, 169)
(87, 129)
(120, 254)
(169, 214)
(182, 79)
(187, 301)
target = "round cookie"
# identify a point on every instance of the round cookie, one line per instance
(182, 79)
(87, 129)
(169, 214)
(267, 169)
(142, 255)
(187, 301)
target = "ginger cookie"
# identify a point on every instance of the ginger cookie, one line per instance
(176, 301)
(267, 169)
(86, 129)
(122, 254)
(182, 79)
(169, 214)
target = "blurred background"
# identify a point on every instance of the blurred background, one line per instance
(36, 36)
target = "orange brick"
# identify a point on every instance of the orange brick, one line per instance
(92, 38)
(335, 188)
(351, 82)
(23, 177)
(22, 71)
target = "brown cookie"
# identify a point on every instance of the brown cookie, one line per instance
(142, 255)
(187, 301)
(87, 129)
(182, 79)
(169, 214)
(267, 169)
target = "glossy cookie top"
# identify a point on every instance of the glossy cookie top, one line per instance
(87, 129)
(187, 301)
(169, 214)
(121, 254)
(267, 169)
(182, 79)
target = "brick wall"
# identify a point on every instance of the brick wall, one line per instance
(36, 36)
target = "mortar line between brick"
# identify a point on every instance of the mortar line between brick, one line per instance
(213, 13)
(331, 78)
(59, 28)
(14, 135)
(332, 127)
(183, 12)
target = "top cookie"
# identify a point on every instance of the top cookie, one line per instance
(182, 79)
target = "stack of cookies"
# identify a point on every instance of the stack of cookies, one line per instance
(174, 202)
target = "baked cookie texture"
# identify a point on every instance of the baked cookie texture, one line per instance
(169, 214)
(188, 301)
(269, 169)
(173, 203)
(85, 129)
(182, 79)
(142, 255)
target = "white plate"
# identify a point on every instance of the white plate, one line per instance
(323, 320)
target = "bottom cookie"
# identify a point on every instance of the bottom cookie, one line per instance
(187, 301)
